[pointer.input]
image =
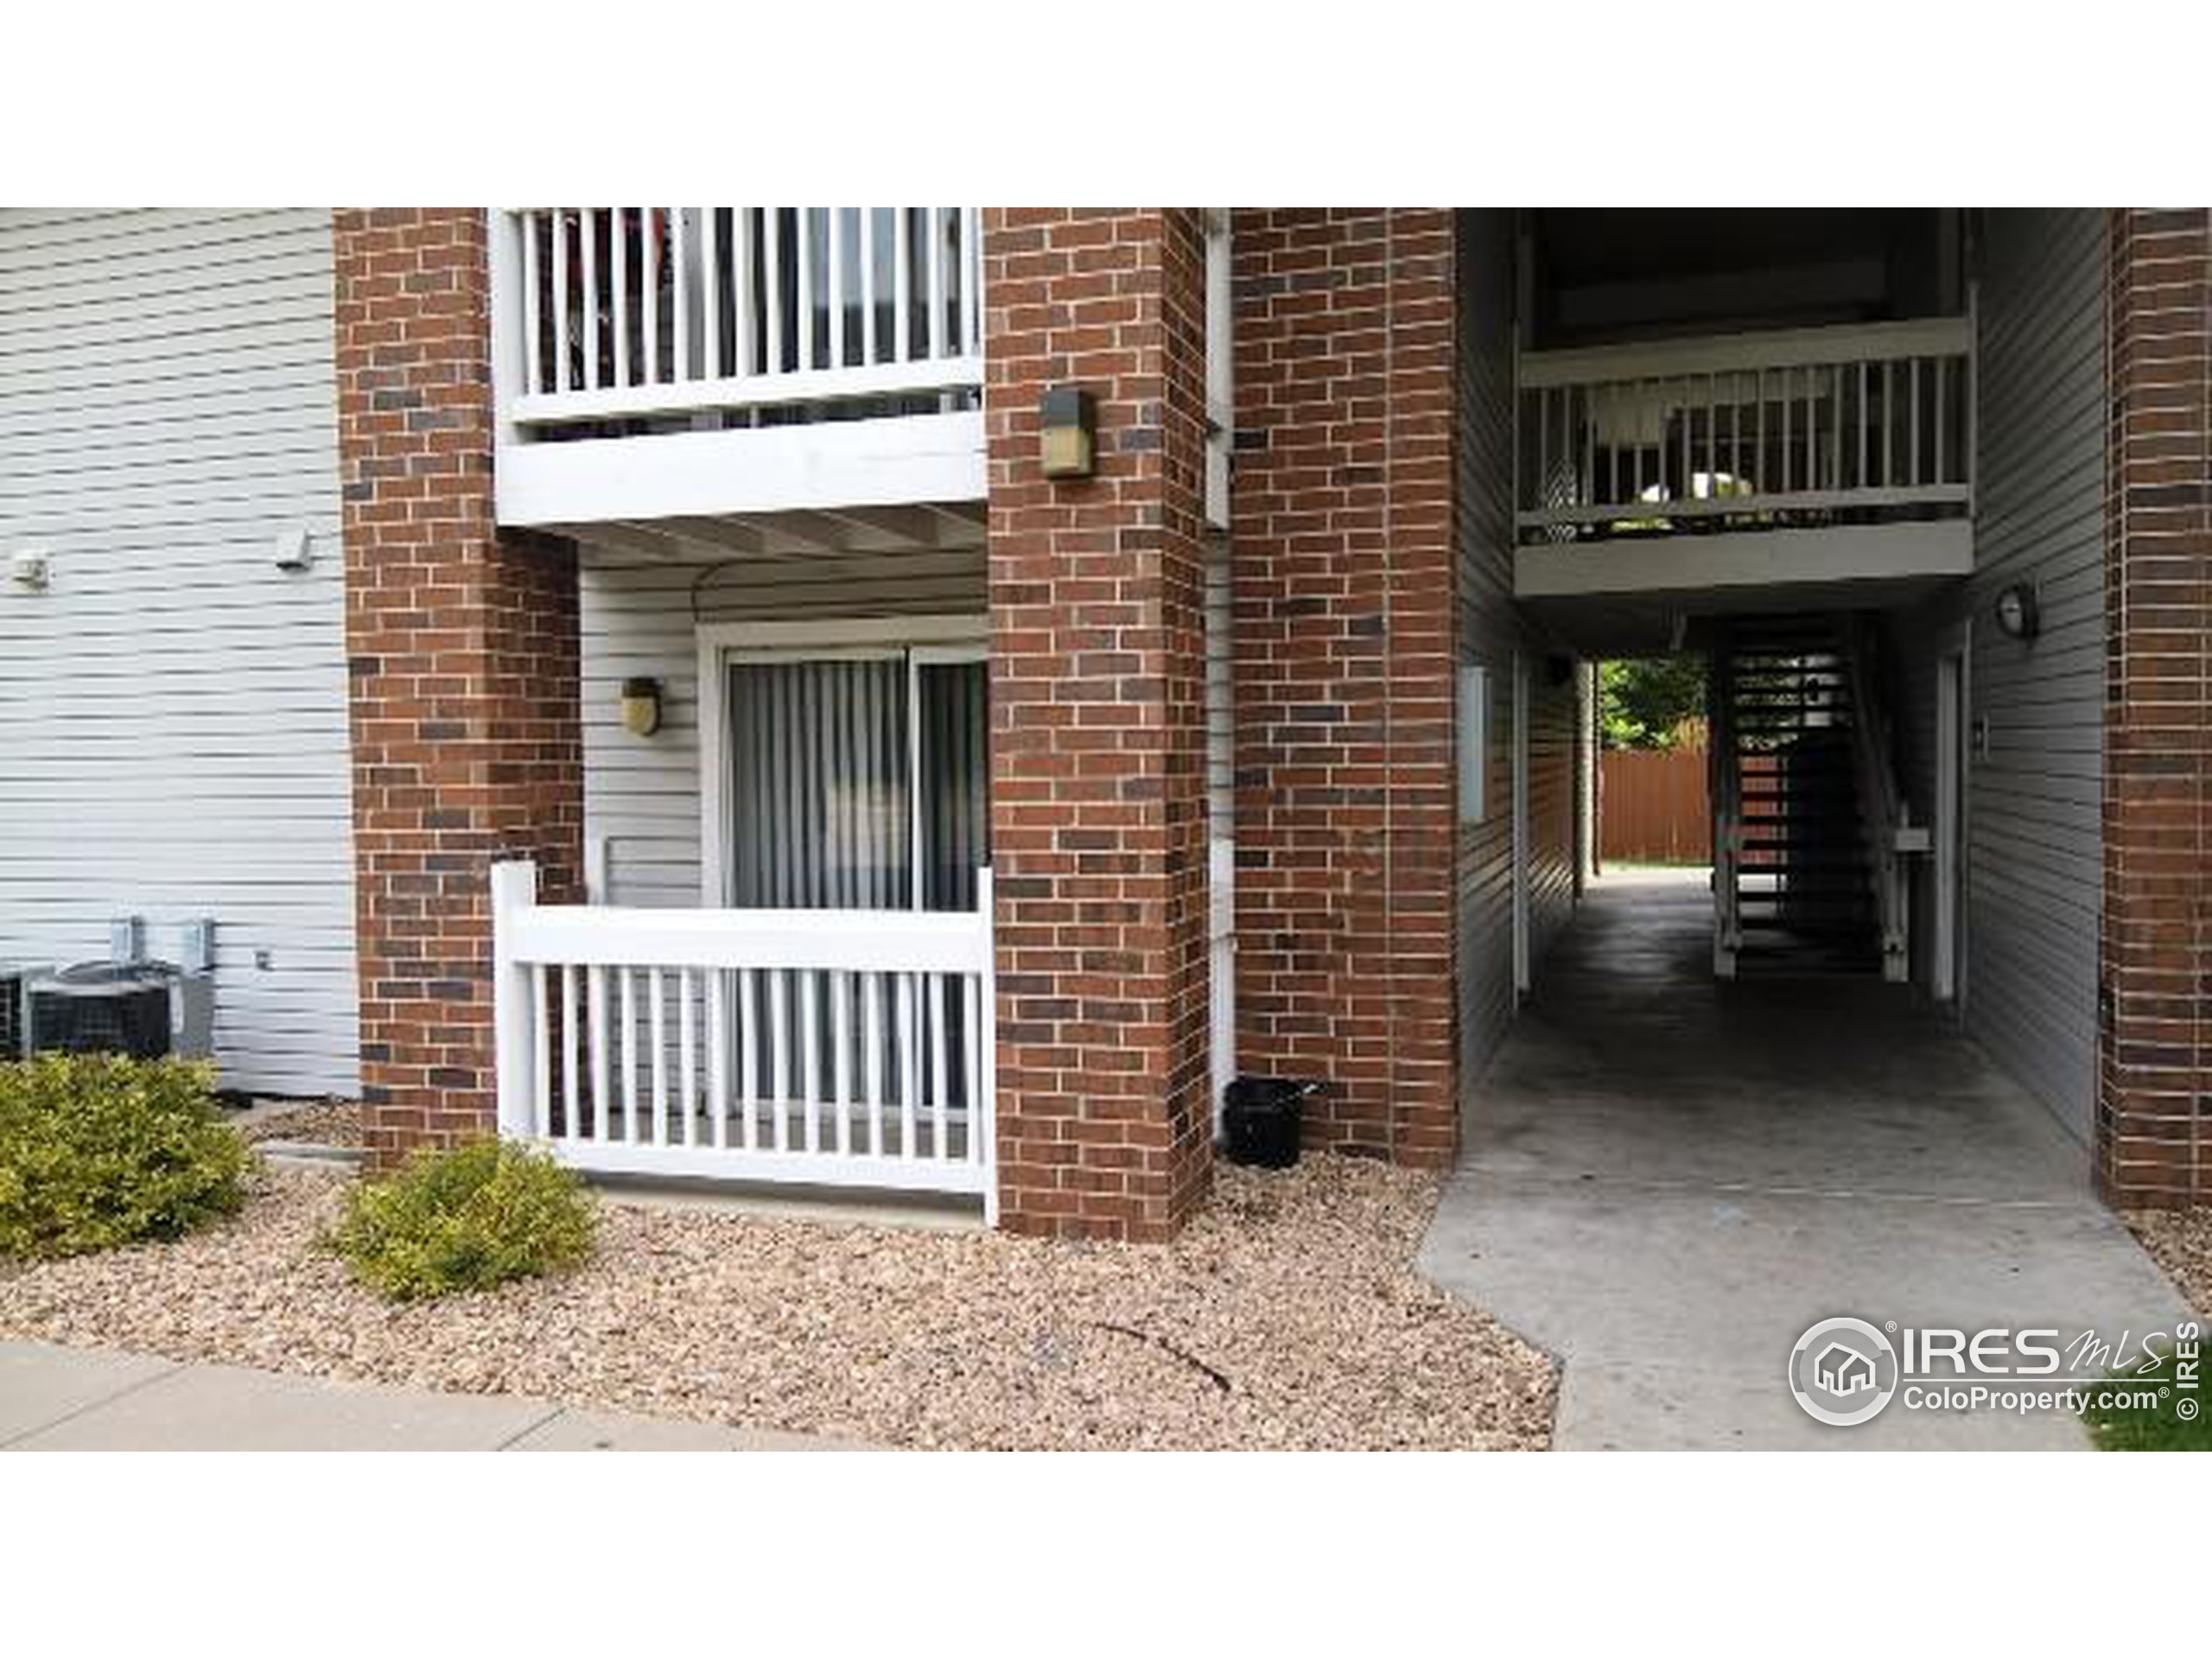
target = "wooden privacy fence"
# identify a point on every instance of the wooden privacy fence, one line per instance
(1652, 807)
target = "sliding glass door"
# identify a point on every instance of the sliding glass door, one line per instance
(857, 779)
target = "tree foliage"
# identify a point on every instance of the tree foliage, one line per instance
(1644, 701)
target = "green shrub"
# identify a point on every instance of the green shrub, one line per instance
(96, 1150)
(466, 1219)
(2158, 1425)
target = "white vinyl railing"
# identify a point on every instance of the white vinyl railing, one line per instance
(634, 314)
(1808, 426)
(831, 1048)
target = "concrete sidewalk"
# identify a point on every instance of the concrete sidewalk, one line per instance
(1667, 1179)
(54, 1399)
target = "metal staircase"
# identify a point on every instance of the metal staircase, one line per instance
(1808, 873)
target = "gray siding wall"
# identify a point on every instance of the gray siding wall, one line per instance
(2034, 876)
(173, 737)
(639, 618)
(1491, 635)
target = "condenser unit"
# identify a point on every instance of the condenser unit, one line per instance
(103, 1008)
(15, 981)
(124, 1005)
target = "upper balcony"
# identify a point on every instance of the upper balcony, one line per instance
(1790, 459)
(655, 363)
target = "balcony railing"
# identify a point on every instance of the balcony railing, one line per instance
(1819, 426)
(612, 325)
(821, 1047)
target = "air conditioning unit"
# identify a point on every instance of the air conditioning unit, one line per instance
(15, 981)
(125, 1005)
(103, 1008)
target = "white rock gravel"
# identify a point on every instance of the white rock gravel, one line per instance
(1294, 1289)
(2180, 1242)
(321, 1124)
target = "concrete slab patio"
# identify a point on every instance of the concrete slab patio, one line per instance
(58, 1399)
(1668, 1179)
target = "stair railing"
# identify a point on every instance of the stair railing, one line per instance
(1885, 813)
(1725, 788)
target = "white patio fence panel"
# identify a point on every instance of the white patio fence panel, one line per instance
(821, 1047)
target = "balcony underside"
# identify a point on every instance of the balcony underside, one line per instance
(1626, 595)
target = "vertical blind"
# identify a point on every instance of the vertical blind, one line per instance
(820, 758)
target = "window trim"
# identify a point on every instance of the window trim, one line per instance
(918, 639)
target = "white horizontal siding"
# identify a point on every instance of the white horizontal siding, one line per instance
(1493, 635)
(2034, 871)
(639, 618)
(172, 736)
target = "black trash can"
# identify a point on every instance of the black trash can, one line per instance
(1259, 1120)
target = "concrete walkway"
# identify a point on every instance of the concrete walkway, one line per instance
(1669, 1179)
(55, 1398)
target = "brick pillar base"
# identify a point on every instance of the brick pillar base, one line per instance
(2154, 1089)
(1097, 733)
(1345, 583)
(462, 654)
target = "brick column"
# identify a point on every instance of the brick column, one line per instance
(462, 654)
(2154, 1094)
(1098, 723)
(1344, 584)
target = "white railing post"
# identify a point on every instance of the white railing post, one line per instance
(514, 892)
(1884, 811)
(510, 344)
(983, 1113)
(597, 852)
(1725, 770)
(1220, 363)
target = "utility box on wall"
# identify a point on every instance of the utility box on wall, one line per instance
(1474, 741)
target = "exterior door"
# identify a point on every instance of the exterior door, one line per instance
(854, 777)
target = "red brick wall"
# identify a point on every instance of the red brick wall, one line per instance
(462, 648)
(2154, 1107)
(1097, 687)
(1343, 574)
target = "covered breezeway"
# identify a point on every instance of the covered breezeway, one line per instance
(1667, 1178)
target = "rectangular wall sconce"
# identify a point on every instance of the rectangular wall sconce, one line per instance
(1068, 444)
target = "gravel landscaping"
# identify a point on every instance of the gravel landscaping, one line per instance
(321, 1123)
(1286, 1315)
(2179, 1241)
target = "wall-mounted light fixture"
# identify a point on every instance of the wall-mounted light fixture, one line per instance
(1068, 443)
(641, 705)
(2017, 613)
(34, 572)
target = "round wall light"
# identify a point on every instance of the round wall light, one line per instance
(2017, 613)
